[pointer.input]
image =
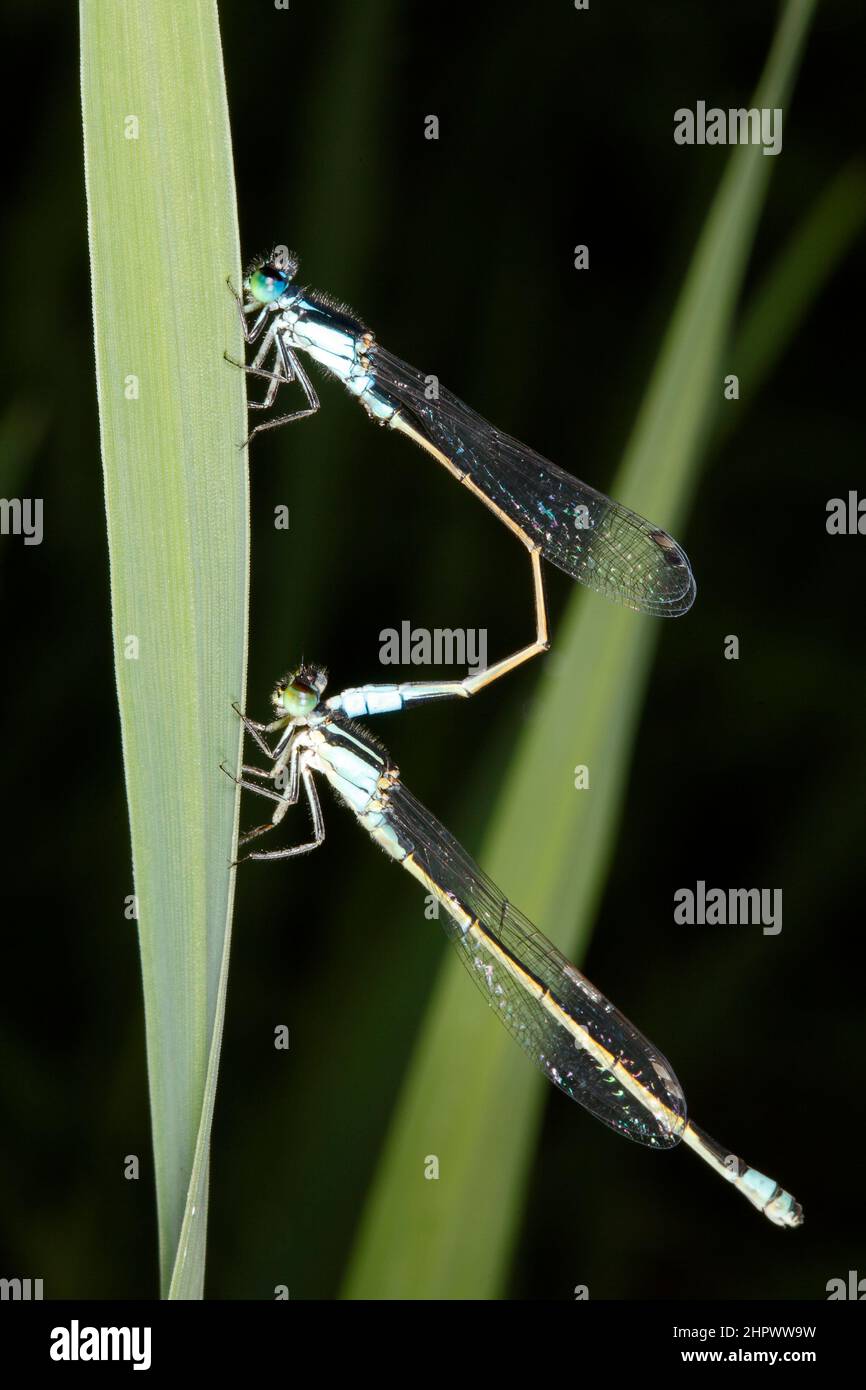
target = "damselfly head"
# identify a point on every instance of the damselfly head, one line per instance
(269, 279)
(298, 692)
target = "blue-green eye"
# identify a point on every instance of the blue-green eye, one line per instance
(267, 283)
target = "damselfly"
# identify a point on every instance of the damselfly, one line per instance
(584, 1045)
(604, 545)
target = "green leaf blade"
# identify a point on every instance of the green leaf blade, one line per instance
(163, 237)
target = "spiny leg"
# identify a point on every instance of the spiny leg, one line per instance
(255, 730)
(287, 783)
(255, 368)
(318, 826)
(268, 341)
(260, 791)
(245, 767)
(275, 378)
(288, 370)
(286, 796)
(284, 777)
(294, 372)
(291, 370)
(284, 799)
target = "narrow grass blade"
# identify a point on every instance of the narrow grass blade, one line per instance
(163, 238)
(468, 1097)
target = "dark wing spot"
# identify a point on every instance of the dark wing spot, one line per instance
(668, 546)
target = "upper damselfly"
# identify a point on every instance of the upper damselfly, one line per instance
(593, 539)
(577, 1037)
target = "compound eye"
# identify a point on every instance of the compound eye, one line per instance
(267, 283)
(297, 698)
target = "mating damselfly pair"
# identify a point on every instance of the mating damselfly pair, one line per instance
(578, 1038)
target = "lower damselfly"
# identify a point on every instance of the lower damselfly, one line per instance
(591, 538)
(570, 1030)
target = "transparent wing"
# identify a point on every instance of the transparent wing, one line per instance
(593, 539)
(583, 1044)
